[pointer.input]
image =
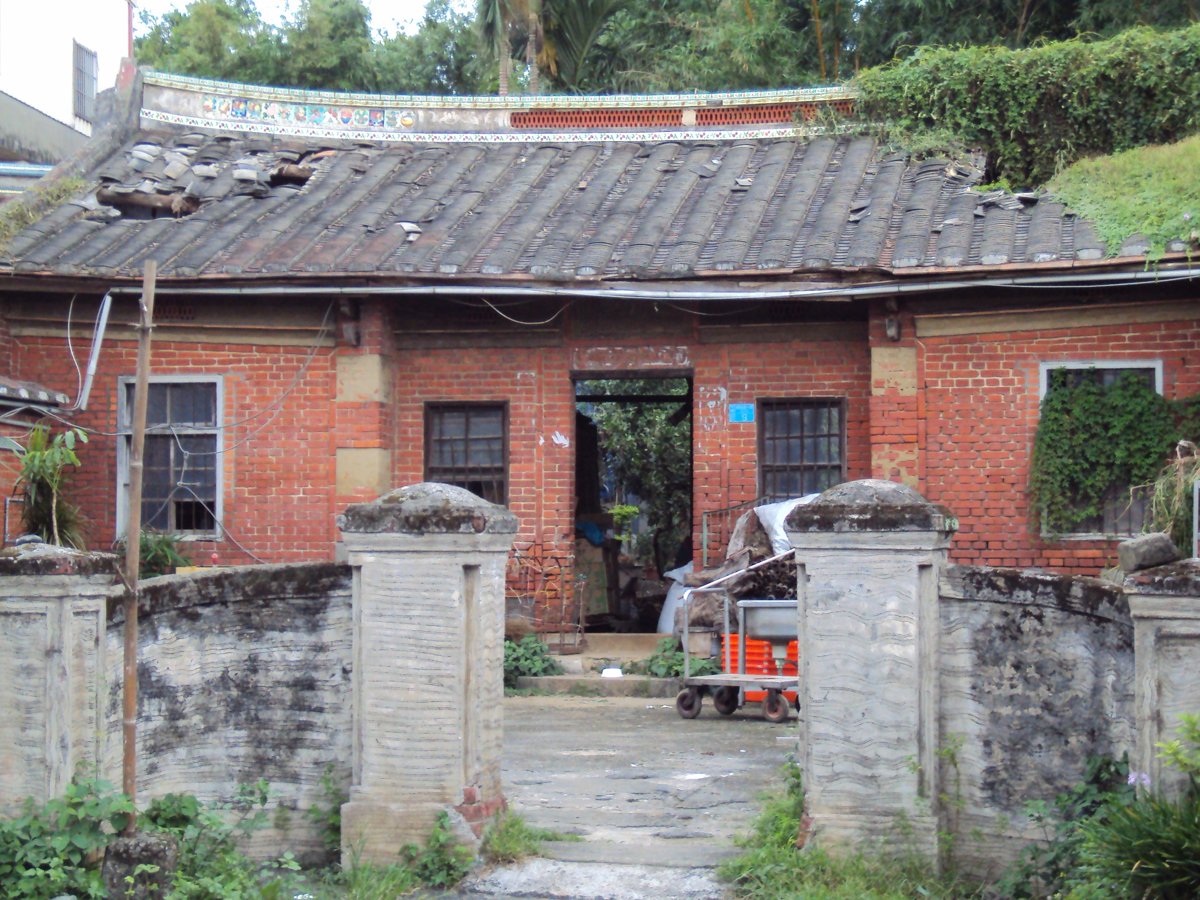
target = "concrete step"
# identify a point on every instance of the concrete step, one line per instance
(621, 647)
(592, 685)
(602, 880)
(684, 853)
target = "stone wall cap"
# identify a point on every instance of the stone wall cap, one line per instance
(428, 508)
(1179, 579)
(48, 559)
(871, 504)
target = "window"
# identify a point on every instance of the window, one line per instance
(466, 444)
(181, 469)
(1122, 511)
(86, 77)
(801, 446)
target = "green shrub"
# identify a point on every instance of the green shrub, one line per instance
(326, 813)
(1051, 866)
(45, 464)
(211, 867)
(442, 862)
(667, 662)
(1149, 846)
(1039, 109)
(160, 553)
(51, 850)
(528, 657)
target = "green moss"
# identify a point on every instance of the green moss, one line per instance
(1152, 191)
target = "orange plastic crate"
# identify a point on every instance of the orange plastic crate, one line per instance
(759, 661)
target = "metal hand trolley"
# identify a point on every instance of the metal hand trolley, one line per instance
(769, 620)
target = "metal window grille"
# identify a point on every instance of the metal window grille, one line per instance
(801, 446)
(467, 445)
(87, 73)
(179, 475)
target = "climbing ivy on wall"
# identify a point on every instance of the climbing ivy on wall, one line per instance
(1091, 437)
(1034, 111)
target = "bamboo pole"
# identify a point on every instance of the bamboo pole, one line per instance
(133, 543)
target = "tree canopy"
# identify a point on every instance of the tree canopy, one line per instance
(606, 46)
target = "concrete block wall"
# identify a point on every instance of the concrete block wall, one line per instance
(243, 674)
(54, 667)
(428, 636)
(1036, 675)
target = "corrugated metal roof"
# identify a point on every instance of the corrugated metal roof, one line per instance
(206, 204)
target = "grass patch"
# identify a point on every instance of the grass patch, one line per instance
(773, 867)
(1151, 191)
(510, 838)
(19, 214)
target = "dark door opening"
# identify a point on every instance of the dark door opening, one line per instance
(633, 485)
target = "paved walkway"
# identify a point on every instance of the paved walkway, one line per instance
(657, 799)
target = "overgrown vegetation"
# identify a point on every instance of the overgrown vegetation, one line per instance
(45, 464)
(667, 662)
(528, 657)
(26, 209)
(1092, 437)
(1150, 846)
(1147, 191)
(1051, 867)
(53, 849)
(161, 553)
(772, 866)
(510, 838)
(326, 813)
(1039, 109)
(56, 849)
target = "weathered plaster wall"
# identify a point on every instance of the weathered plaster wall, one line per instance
(1036, 675)
(244, 674)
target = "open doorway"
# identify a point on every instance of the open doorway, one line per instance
(633, 478)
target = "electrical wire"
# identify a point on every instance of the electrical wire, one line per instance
(502, 314)
(71, 351)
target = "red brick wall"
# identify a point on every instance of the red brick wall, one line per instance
(980, 417)
(537, 384)
(277, 466)
(726, 454)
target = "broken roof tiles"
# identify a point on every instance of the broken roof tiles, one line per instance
(221, 204)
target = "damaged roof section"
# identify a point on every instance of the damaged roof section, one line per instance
(259, 206)
(30, 394)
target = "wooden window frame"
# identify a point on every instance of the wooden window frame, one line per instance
(447, 474)
(215, 432)
(765, 405)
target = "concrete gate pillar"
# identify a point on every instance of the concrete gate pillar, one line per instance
(428, 684)
(1165, 605)
(53, 611)
(869, 554)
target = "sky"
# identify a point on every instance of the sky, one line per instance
(386, 15)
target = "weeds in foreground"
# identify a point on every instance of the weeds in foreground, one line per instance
(510, 838)
(773, 867)
(442, 862)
